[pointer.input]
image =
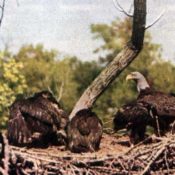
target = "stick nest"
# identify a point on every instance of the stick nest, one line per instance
(153, 156)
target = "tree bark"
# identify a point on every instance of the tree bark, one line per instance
(119, 63)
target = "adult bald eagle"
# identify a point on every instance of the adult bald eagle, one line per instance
(84, 132)
(163, 104)
(151, 108)
(36, 120)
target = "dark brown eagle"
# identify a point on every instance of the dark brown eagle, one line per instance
(37, 120)
(153, 108)
(84, 132)
(134, 117)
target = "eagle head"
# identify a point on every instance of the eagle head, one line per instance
(140, 80)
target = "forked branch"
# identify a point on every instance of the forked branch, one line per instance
(120, 8)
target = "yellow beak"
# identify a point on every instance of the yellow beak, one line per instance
(129, 77)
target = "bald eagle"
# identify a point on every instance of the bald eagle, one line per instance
(37, 120)
(151, 107)
(134, 117)
(84, 132)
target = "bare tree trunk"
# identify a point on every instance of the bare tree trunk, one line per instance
(119, 63)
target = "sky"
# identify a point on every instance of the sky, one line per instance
(65, 24)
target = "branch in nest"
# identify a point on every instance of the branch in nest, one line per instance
(120, 8)
(155, 157)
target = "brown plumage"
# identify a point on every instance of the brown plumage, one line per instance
(134, 117)
(152, 108)
(163, 104)
(84, 132)
(36, 120)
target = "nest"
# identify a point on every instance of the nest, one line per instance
(153, 156)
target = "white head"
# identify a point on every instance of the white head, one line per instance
(140, 80)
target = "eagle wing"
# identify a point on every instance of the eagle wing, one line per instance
(18, 133)
(133, 112)
(163, 103)
(88, 123)
(26, 119)
(82, 126)
(36, 111)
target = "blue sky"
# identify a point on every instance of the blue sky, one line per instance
(65, 24)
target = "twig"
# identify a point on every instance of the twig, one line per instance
(61, 91)
(137, 145)
(166, 162)
(173, 128)
(158, 126)
(154, 158)
(120, 8)
(2, 11)
(158, 18)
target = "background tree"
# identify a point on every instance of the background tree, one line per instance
(12, 84)
(46, 69)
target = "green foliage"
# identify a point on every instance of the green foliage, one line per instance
(38, 64)
(114, 37)
(63, 84)
(45, 69)
(12, 84)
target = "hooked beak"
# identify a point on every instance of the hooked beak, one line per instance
(129, 77)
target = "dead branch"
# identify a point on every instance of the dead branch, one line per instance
(120, 8)
(61, 91)
(156, 20)
(159, 152)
